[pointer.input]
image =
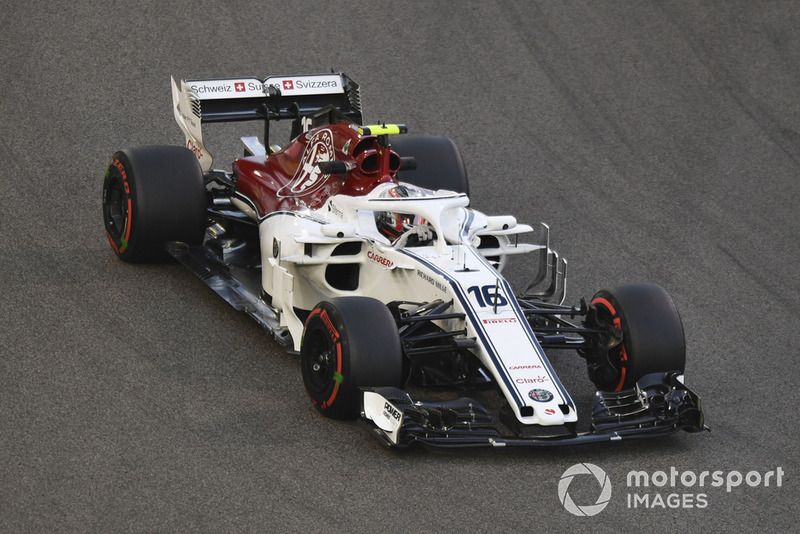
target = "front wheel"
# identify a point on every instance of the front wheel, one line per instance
(349, 343)
(645, 336)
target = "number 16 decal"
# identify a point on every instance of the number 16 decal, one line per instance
(488, 295)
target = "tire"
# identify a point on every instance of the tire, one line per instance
(439, 163)
(153, 195)
(652, 336)
(349, 343)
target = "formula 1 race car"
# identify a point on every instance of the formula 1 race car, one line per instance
(355, 247)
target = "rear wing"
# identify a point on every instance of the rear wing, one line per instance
(274, 98)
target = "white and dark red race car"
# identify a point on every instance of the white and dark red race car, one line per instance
(356, 248)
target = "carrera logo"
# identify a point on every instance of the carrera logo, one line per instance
(377, 258)
(520, 367)
(308, 178)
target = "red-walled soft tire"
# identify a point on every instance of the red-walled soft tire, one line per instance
(153, 195)
(652, 335)
(349, 343)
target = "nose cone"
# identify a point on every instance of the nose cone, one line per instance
(549, 414)
(545, 406)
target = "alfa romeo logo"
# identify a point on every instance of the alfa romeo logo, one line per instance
(308, 178)
(540, 395)
(590, 509)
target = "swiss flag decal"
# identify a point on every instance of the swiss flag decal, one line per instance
(239, 86)
(288, 84)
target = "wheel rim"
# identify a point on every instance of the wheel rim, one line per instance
(321, 366)
(116, 212)
(618, 355)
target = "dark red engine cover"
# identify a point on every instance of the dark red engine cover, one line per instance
(290, 179)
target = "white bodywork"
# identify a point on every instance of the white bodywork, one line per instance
(298, 248)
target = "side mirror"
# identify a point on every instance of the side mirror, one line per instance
(407, 163)
(335, 167)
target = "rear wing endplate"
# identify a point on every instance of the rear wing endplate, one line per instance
(246, 99)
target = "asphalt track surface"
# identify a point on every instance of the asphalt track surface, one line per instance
(660, 141)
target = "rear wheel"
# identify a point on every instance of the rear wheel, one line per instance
(349, 343)
(439, 163)
(153, 195)
(647, 336)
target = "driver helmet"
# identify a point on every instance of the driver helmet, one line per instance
(392, 224)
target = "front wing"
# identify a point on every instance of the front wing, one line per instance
(660, 404)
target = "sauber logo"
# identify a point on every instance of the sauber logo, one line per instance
(308, 178)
